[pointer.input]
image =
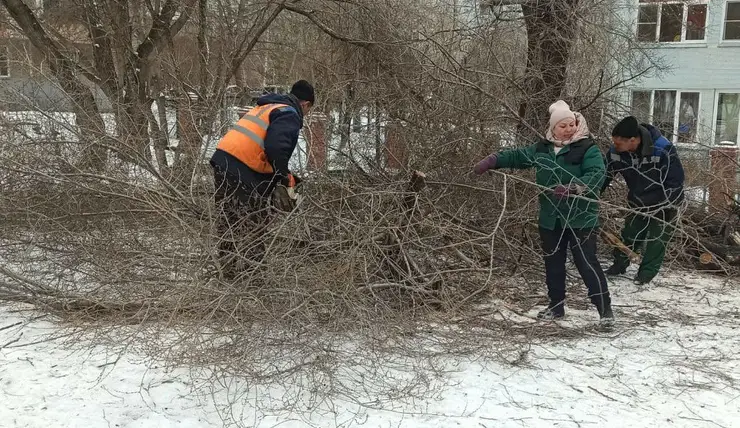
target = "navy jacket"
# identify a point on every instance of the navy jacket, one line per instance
(281, 140)
(654, 174)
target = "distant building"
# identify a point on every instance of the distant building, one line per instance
(698, 99)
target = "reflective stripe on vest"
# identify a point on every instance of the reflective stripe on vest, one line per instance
(246, 140)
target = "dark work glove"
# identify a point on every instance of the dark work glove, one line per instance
(488, 163)
(291, 180)
(281, 199)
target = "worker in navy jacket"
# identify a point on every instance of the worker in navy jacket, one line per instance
(250, 167)
(652, 170)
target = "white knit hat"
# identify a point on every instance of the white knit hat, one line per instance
(560, 110)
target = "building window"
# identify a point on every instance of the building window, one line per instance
(687, 120)
(675, 113)
(671, 21)
(732, 21)
(727, 126)
(696, 19)
(4, 62)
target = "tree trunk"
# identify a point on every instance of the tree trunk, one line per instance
(378, 135)
(190, 139)
(133, 118)
(551, 28)
(161, 135)
(203, 51)
(345, 119)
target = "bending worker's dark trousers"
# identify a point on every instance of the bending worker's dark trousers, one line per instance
(652, 233)
(582, 244)
(241, 220)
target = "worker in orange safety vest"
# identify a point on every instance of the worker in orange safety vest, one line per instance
(250, 168)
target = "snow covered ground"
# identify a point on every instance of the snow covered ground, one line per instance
(673, 362)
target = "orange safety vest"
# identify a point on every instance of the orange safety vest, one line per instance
(246, 140)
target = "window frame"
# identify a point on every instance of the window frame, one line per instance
(684, 24)
(715, 107)
(724, 23)
(676, 109)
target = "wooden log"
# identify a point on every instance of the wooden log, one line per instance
(615, 242)
(729, 254)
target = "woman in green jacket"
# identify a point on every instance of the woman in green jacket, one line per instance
(570, 171)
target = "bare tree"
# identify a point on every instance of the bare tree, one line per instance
(132, 48)
(370, 254)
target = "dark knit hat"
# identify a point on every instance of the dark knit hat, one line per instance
(303, 91)
(627, 128)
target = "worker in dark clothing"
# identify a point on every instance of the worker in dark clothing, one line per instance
(250, 168)
(652, 170)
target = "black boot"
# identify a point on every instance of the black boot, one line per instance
(616, 269)
(606, 314)
(552, 312)
(641, 279)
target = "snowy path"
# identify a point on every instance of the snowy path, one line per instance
(672, 367)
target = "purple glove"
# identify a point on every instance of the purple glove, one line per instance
(562, 191)
(488, 163)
